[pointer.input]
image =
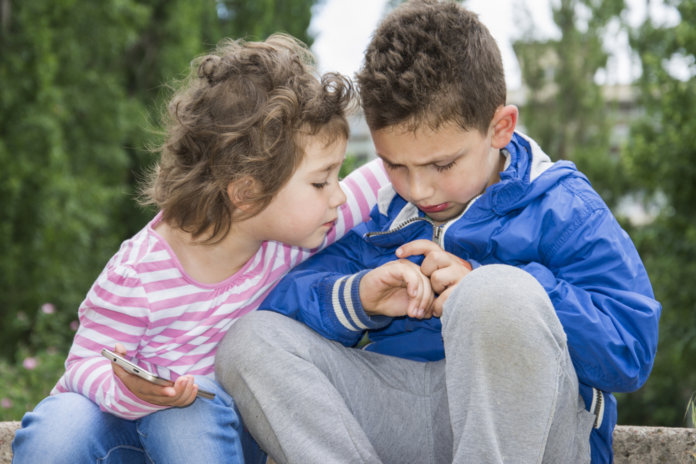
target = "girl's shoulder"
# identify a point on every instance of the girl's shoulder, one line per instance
(145, 251)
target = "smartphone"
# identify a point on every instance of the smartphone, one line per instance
(144, 373)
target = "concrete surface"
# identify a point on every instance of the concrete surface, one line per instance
(632, 444)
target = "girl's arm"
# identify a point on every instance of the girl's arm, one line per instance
(115, 310)
(361, 187)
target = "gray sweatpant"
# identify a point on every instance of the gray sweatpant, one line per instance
(507, 391)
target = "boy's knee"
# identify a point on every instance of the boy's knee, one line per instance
(499, 300)
(254, 329)
(249, 341)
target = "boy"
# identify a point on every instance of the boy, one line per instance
(502, 301)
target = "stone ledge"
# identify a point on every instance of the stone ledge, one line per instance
(654, 445)
(632, 444)
(7, 431)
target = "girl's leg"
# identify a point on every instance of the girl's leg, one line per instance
(206, 431)
(69, 428)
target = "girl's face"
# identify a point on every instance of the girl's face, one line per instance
(306, 208)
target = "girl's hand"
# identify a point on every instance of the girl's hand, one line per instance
(180, 393)
(444, 269)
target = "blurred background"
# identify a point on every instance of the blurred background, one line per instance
(608, 84)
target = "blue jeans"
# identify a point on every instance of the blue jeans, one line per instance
(69, 428)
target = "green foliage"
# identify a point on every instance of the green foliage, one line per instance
(568, 115)
(661, 154)
(565, 109)
(39, 361)
(82, 88)
(349, 165)
(289, 16)
(64, 116)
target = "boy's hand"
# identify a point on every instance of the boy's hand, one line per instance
(397, 288)
(444, 269)
(180, 393)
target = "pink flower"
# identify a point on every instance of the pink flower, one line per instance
(48, 308)
(30, 363)
(6, 403)
(74, 325)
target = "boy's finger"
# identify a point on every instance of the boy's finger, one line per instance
(440, 301)
(417, 247)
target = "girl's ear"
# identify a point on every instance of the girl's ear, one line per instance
(241, 193)
(503, 125)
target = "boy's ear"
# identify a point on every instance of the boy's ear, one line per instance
(503, 125)
(241, 192)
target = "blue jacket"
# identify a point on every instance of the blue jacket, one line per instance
(542, 217)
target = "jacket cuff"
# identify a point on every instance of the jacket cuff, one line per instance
(345, 300)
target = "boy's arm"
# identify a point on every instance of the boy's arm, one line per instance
(604, 300)
(324, 292)
(114, 311)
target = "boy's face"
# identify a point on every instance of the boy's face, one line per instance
(442, 170)
(304, 210)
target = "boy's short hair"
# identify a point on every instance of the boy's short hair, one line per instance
(431, 62)
(243, 113)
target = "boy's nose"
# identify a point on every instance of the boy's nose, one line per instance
(420, 189)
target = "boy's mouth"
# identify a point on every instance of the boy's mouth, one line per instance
(433, 208)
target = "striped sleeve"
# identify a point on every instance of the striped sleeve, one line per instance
(348, 313)
(361, 187)
(114, 311)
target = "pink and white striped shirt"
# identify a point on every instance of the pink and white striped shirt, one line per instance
(170, 323)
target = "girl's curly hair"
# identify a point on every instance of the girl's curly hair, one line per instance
(241, 113)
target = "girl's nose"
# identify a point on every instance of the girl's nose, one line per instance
(337, 197)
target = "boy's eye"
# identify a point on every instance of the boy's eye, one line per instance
(320, 185)
(444, 167)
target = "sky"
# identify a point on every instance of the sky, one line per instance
(342, 29)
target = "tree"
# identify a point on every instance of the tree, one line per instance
(565, 110)
(83, 85)
(661, 154)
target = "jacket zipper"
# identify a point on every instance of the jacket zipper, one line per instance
(437, 230)
(597, 407)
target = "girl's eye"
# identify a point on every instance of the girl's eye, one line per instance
(445, 167)
(320, 186)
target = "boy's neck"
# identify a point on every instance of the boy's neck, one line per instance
(495, 178)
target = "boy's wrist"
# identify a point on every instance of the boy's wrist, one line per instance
(348, 308)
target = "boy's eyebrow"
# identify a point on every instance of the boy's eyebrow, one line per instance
(439, 159)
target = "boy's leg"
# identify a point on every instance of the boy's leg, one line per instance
(68, 428)
(310, 400)
(512, 389)
(206, 431)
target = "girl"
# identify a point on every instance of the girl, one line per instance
(246, 185)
